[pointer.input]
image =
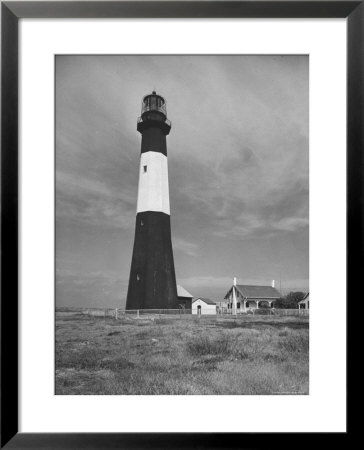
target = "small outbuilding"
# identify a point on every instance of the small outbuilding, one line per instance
(203, 306)
(305, 302)
(184, 298)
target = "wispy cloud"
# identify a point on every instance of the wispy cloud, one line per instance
(237, 203)
(90, 288)
(206, 281)
(291, 223)
(93, 202)
(184, 246)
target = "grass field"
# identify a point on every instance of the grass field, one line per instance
(250, 355)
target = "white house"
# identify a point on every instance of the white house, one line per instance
(305, 302)
(203, 306)
(247, 297)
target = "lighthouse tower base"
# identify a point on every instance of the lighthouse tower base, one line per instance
(152, 282)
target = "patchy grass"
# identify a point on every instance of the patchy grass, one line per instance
(206, 345)
(171, 356)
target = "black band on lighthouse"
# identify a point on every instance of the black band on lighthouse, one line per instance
(153, 139)
(152, 282)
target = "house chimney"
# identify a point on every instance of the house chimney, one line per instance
(234, 281)
(273, 283)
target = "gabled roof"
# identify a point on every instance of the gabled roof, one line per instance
(205, 300)
(249, 291)
(181, 292)
(305, 299)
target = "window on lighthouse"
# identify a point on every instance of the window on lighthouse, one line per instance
(145, 169)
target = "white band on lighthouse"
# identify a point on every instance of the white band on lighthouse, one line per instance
(153, 190)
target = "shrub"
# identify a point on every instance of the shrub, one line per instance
(164, 321)
(295, 343)
(205, 345)
(250, 347)
(264, 305)
(263, 312)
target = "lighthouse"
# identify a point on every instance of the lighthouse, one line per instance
(152, 281)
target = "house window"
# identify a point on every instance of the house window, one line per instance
(145, 169)
(238, 305)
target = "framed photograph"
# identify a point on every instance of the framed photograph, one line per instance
(178, 180)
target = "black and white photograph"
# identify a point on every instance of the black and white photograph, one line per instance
(182, 224)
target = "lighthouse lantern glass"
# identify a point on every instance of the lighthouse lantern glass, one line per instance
(154, 102)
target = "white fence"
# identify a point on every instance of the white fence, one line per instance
(290, 312)
(119, 313)
(266, 312)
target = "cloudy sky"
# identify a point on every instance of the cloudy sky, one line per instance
(238, 171)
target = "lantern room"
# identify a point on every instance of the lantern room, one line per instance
(154, 113)
(154, 102)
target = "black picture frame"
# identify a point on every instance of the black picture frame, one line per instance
(11, 12)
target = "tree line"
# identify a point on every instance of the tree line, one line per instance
(289, 301)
